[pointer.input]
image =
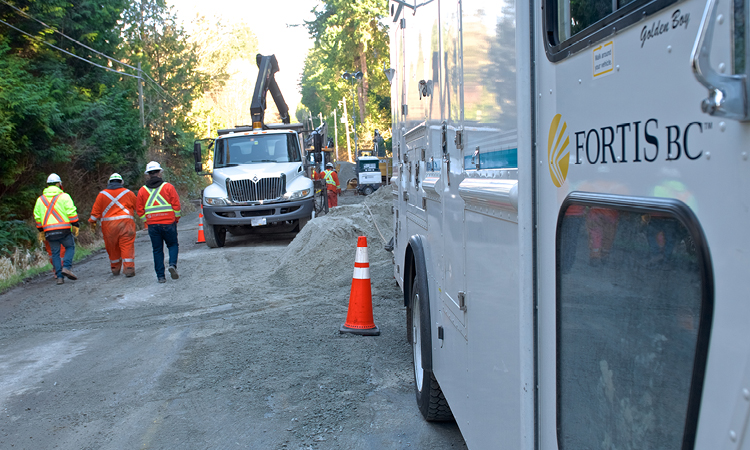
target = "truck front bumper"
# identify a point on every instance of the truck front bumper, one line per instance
(245, 215)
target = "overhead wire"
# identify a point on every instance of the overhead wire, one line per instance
(25, 14)
(68, 53)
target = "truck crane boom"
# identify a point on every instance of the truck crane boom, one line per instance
(267, 67)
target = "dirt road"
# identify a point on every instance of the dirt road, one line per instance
(242, 352)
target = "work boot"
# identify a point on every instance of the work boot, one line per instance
(116, 272)
(60, 280)
(129, 272)
(69, 274)
(162, 280)
(173, 272)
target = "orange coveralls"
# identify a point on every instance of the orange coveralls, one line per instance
(332, 186)
(116, 209)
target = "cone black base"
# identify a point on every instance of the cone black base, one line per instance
(366, 332)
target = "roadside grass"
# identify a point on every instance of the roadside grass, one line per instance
(25, 265)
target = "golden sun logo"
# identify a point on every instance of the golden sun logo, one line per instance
(557, 157)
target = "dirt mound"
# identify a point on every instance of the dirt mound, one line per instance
(323, 252)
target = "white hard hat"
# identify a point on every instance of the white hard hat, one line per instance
(152, 166)
(53, 178)
(329, 164)
(115, 177)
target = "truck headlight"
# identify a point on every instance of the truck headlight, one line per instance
(216, 201)
(294, 195)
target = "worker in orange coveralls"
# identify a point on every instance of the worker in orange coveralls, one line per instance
(333, 187)
(115, 207)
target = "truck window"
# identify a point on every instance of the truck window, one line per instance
(571, 25)
(634, 308)
(250, 149)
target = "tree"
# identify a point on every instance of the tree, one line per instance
(349, 36)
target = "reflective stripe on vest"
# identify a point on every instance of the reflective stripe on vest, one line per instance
(156, 203)
(51, 211)
(329, 178)
(116, 201)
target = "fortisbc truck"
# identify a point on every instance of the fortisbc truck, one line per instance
(572, 205)
(259, 183)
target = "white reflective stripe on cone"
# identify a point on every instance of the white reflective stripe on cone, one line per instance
(117, 218)
(361, 273)
(361, 256)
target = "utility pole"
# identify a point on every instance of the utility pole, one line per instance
(140, 94)
(348, 143)
(336, 134)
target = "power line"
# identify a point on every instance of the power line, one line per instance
(68, 53)
(25, 14)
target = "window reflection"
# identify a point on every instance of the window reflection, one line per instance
(629, 303)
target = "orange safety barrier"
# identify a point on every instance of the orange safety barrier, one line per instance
(359, 317)
(201, 236)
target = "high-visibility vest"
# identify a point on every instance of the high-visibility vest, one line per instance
(329, 178)
(115, 201)
(156, 203)
(53, 218)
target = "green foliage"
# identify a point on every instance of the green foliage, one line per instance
(58, 113)
(14, 234)
(349, 36)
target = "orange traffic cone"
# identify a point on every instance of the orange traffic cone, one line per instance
(201, 236)
(359, 317)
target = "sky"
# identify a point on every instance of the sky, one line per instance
(269, 20)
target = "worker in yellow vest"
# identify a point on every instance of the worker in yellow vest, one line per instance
(159, 205)
(56, 217)
(333, 187)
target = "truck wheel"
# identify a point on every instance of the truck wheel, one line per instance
(368, 190)
(215, 235)
(430, 398)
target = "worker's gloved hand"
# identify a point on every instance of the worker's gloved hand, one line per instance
(93, 226)
(41, 237)
(75, 231)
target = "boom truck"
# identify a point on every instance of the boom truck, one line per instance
(259, 183)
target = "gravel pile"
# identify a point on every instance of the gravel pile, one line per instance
(323, 252)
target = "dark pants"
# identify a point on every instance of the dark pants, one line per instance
(160, 234)
(70, 248)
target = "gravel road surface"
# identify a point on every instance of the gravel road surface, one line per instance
(241, 352)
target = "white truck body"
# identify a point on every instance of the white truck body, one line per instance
(258, 182)
(570, 225)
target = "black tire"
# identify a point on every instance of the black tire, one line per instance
(430, 399)
(215, 235)
(368, 190)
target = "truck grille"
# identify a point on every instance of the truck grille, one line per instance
(256, 190)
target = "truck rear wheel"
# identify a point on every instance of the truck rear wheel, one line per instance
(215, 235)
(430, 399)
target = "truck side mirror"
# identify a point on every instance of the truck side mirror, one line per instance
(197, 153)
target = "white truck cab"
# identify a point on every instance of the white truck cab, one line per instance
(259, 183)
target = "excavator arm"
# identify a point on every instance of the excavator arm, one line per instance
(267, 67)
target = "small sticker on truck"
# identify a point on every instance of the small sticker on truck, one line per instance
(604, 59)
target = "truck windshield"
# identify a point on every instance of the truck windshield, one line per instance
(252, 149)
